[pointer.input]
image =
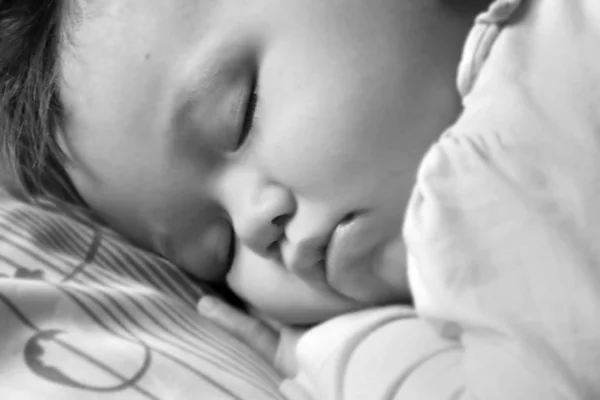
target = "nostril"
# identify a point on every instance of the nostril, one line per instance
(280, 220)
(348, 218)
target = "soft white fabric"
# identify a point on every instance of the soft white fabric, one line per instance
(503, 232)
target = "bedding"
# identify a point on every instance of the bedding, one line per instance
(85, 315)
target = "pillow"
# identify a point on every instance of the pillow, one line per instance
(86, 315)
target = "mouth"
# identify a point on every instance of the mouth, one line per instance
(346, 261)
(345, 245)
(353, 258)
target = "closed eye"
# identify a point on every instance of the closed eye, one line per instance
(250, 110)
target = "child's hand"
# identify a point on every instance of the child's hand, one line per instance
(276, 345)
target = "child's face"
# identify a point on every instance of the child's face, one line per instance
(156, 93)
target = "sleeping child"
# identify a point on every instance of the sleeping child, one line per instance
(317, 157)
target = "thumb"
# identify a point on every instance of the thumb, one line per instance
(251, 331)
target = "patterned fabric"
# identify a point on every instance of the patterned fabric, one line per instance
(85, 315)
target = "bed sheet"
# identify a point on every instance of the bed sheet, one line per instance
(85, 315)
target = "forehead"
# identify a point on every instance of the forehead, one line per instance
(97, 8)
(137, 17)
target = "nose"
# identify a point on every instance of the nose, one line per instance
(259, 212)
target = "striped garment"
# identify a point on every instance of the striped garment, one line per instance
(85, 315)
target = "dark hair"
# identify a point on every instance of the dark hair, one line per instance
(30, 110)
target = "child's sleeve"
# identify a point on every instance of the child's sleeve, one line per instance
(504, 264)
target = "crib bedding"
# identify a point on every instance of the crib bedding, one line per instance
(85, 315)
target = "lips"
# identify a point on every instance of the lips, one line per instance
(351, 260)
(354, 256)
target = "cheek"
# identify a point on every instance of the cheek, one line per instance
(325, 127)
(327, 144)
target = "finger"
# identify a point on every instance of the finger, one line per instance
(285, 358)
(251, 331)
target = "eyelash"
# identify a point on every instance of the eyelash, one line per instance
(251, 104)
